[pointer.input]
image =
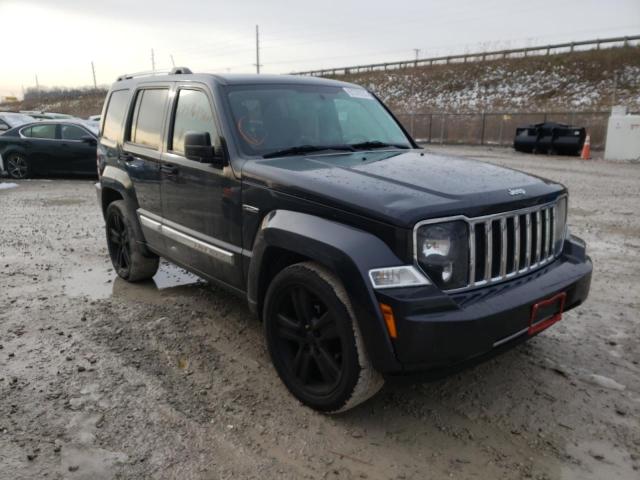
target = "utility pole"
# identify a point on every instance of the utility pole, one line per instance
(153, 61)
(93, 70)
(417, 50)
(172, 62)
(257, 50)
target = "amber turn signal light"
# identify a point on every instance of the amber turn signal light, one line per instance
(389, 319)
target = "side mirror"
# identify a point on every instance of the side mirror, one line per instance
(197, 147)
(89, 139)
(4, 127)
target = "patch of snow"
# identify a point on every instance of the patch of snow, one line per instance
(7, 186)
(605, 382)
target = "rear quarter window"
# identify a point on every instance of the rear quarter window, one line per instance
(116, 110)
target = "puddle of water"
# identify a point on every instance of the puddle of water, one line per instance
(99, 283)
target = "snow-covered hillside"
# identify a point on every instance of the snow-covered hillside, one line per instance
(578, 81)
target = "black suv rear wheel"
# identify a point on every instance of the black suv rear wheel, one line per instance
(126, 254)
(314, 340)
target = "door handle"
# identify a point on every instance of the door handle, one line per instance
(126, 157)
(169, 169)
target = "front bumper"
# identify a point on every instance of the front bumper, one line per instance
(438, 330)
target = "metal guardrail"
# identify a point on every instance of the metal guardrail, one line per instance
(471, 57)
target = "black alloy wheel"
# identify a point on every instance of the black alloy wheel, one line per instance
(308, 340)
(118, 243)
(17, 166)
(314, 340)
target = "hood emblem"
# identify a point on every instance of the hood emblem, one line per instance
(517, 191)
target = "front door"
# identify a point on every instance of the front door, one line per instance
(200, 202)
(78, 155)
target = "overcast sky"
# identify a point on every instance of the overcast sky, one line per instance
(58, 39)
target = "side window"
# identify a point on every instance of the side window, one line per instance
(146, 125)
(45, 130)
(71, 132)
(112, 125)
(193, 114)
(4, 125)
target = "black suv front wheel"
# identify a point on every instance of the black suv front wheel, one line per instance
(126, 254)
(314, 340)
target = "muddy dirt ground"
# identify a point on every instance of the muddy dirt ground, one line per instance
(170, 379)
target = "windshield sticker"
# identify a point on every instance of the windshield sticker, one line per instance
(358, 93)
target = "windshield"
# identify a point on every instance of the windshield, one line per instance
(273, 118)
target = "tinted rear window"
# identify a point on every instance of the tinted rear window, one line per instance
(146, 125)
(115, 114)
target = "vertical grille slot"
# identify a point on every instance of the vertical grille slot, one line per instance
(478, 228)
(535, 245)
(496, 254)
(511, 242)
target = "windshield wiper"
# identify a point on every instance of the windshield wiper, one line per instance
(300, 149)
(376, 144)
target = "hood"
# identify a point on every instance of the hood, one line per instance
(402, 187)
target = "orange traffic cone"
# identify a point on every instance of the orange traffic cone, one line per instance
(586, 148)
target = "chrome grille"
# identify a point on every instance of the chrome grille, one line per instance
(509, 244)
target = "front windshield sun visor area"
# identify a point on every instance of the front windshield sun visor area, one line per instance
(279, 120)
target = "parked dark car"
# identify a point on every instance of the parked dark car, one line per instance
(49, 147)
(362, 254)
(550, 137)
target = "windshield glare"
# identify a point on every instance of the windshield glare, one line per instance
(270, 118)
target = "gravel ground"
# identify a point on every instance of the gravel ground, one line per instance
(170, 379)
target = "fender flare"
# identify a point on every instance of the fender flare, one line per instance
(118, 180)
(347, 251)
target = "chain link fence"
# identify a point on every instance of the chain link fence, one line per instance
(495, 128)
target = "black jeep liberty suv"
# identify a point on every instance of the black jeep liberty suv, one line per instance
(363, 255)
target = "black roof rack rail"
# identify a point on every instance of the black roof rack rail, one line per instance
(173, 71)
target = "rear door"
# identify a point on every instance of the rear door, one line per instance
(141, 151)
(79, 156)
(200, 202)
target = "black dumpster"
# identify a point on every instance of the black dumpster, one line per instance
(550, 137)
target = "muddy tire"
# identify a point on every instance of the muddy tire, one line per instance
(126, 254)
(314, 340)
(17, 166)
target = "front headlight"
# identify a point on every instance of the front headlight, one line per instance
(442, 251)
